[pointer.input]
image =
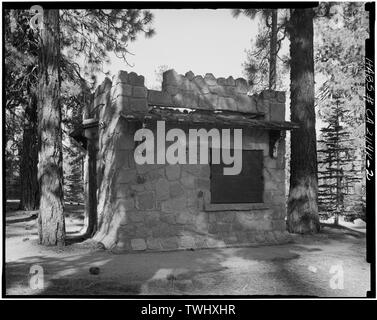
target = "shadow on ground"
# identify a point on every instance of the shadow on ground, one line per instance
(302, 268)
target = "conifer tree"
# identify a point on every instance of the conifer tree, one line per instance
(337, 163)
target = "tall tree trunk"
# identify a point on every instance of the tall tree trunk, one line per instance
(29, 157)
(273, 49)
(51, 226)
(90, 221)
(337, 154)
(303, 193)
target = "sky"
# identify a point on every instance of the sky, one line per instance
(198, 40)
(203, 41)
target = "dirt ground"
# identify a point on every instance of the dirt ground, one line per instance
(329, 264)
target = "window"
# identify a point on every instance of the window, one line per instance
(247, 187)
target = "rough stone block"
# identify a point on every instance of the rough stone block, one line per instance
(153, 244)
(190, 75)
(186, 242)
(221, 82)
(231, 239)
(163, 230)
(270, 237)
(268, 94)
(226, 104)
(173, 172)
(135, 79)
(282, 236)
(194, 169)
(171, 77)
(263, 106)
(162, 189)
(159, 98)
(200, 84)
(142, 169)
(203, 184)
(192, 200)
(183, 217)
(168, 218)
(246, 104)
(230, 81)
(212, 217)
(187, 180)
(138, 244)
(142, 231)
(277, 112)
(250, 235)
(279, 225)
(135, 216)
(224, 227)
(278, 211)
(205, 171)
(171, 90)
(124, 145)
(212, 228)
(154, 175)
(208, 101)
(230, 91)
(170, 243)
(210, 79)
(260, 237)
(122, 246)
(173, 205)
(186, 99)
(146, 201)
(200, 242)
(176, 190)
(140, 92)
(151, 219)
(242, 86)
(215, 243)
(138, 104)
(126, 176)
(186, 84)
(217, 89)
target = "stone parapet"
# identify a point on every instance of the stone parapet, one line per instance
(127, 93)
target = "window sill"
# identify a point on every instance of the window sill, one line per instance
(234, 206)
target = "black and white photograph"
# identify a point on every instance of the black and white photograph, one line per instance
(188, 149)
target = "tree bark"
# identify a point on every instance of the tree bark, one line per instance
(90, 221)
(29, 198)
(303, 193)
(51, 226)
(273, 49)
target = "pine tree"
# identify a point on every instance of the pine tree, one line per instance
(261, 66)
(340, 46)
(338, 168)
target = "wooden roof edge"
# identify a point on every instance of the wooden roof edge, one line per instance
(209, 118)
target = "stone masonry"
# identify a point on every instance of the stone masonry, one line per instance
(167, 207)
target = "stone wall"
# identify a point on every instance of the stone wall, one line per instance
(128, 93)
(167, 207)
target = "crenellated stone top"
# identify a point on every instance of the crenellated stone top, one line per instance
(198, 92)
(128, 93)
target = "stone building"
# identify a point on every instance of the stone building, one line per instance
(184, 206)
